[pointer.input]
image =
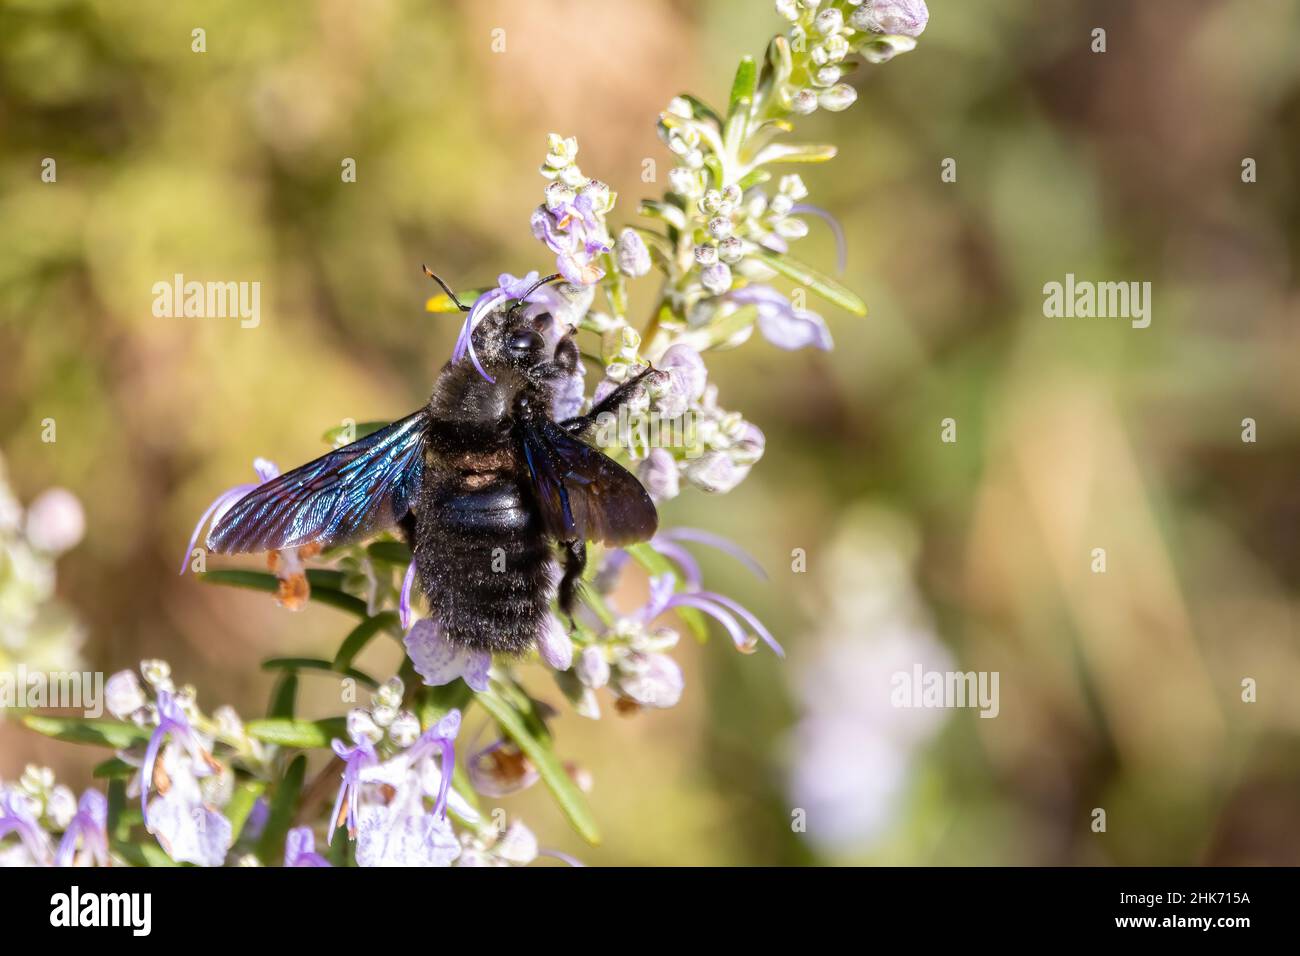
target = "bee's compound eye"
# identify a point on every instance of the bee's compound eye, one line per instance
(525, 341)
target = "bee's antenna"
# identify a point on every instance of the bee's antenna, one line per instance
(538, 284)
(451, 295)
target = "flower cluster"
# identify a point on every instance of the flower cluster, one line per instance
(35, 630)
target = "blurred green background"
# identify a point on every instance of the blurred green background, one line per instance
(1119, 690)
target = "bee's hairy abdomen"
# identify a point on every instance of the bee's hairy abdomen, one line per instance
(483, 559)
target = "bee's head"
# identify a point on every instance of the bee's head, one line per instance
(527, 339)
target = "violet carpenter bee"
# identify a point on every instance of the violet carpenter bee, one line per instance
(484, 482)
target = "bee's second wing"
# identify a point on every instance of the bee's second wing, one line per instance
(582, 492)
(355, 491)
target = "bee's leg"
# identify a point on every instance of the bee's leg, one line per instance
(610, 403)
(575, 562)
(407, 524)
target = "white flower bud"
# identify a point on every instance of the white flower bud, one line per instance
(711, 201)
(683, 181)
(792, 186)
(679, 106)
(362, 726)
(390, 693)
(383, 715)
(706, 254)
(731, 249)
(788, 9)
(792, 228)
(157, 673)
(572, 177)
(827, 75)
(405, 729)
(829, 22)
(719, 227)
(839, 97)
(559, 195)
(837, 48)
(804, 102)
(781, 205)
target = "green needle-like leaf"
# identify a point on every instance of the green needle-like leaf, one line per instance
(305, 734)
(571, 800)
(324, 586)
(283, 804)
(823, 285)
(316, 664)
(76, 730)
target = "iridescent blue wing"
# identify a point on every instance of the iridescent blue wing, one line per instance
(351, 493)
(581, 492)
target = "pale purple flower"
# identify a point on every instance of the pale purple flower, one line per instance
(554, 645)
(650, 678)
(780, 322)
(631, 254)
(300, 848)
(716, 472)
(686, 379)
(667, 544)
(841, 245)
(187, 828)
(571, 227)
(266, 470)
(905, 17)
(566, 401)
(403, 832)
(356, 758)
(508, 287)
(593, 668)
(173, 720)
(404, 602)
(89, 826)
(658, 473)
(739, 623)
(517, 846)
(18, 814)
(439, 662)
